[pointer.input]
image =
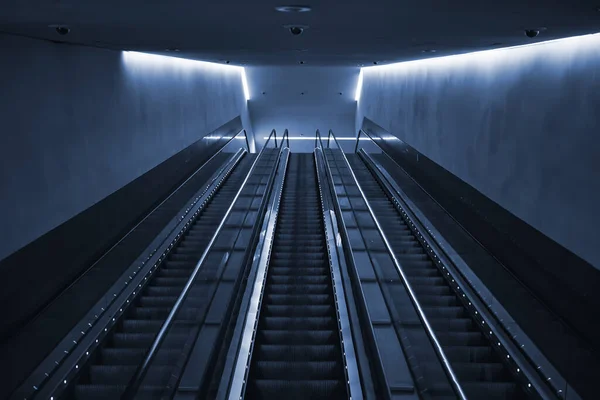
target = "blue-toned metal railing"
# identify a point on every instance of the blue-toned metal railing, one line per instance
(432, 337)
(140, 373)
(524, 363)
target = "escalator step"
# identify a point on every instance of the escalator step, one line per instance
(104, 392)
(452, 325)
(299, 280)
(112, 356)
(299, 323)
(469, 354)
(478, 367)
(445, 312)
(493, 390)
(299, 271)
(289, 389)
(487, 372)
(295, 311)
(297, 350)
(291, 299)
(299, 289)
(271, 352)
(299, 370)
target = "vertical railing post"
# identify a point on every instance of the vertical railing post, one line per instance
(357, 139)
(247, 143)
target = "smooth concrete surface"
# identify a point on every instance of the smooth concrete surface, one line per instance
(78, 123)
(283, 104)
(519, 125)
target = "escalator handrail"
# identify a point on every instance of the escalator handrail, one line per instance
(142, 369)
(331, 232)
(381, 388)
(255, 236)
(254, 243)
(76, 340)
(506, 332)
(262, 253)
(526, 364)
(318, 139)
(286, 137)
(432, 337)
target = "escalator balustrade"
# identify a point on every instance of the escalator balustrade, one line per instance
(479, 368)
(114, 363)
(297, 352)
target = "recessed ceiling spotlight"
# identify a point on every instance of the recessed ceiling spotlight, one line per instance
(293, 9)
(301, 62)
(531, 33)
(172, 49)
(60, 29)
(428, 51)
(302, 93)
(296, 30)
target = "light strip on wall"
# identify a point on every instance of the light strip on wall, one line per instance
(245, 84)
(312, 138)
(154, 62)
(359, 85)
(556, 47)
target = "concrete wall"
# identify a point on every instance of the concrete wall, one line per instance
(520, 125)
(78, 123)
(284, 106)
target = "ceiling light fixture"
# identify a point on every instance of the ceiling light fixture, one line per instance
(293, 9)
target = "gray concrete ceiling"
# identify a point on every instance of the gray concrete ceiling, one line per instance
(340, 33)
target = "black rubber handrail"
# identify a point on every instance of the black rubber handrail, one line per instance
(445, 363)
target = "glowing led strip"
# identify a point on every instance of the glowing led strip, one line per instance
(556, 47)
(136, 59)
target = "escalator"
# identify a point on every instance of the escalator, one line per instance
(297, 352)
(477, 365)
(115, 361)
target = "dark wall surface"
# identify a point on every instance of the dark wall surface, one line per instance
(78, 123)
(518, 125)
